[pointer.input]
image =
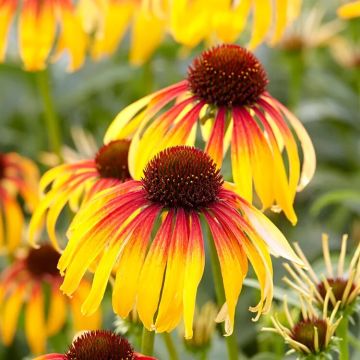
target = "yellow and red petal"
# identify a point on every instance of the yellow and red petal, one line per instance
(35, 314)
(7, 11)
(130, 264)
(152, 273)
(37, 27)
(10, 312)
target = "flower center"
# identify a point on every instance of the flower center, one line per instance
(304, 333)
(182, 176)
(100, 345)
(43, 261)
(112, 160)
(227, 75)
(338, 286)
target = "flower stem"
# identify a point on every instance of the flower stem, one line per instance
(51, 118)
(297, 70)
(231, 342)
(147, 342)
(170, 346)
(343, 332)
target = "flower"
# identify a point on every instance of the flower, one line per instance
(204, 328)
(191, 22)
(18, 176)
(346, 52)
(226, 91)
(309, 31)
(38, 25)
(343, 286)
(98, 344)
(178, 185)
(79, 181)
(312, 334)
(109, 20)
(349, 10)
(24, 283)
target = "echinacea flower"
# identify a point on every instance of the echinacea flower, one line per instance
(41, 25)
(191, 22)
(76, 183)
(349, 10)
(343, 285)
(18, 177)
(161, 273)
(225, 92)
(23, 284)
(109, 21)
(312, 334)
(98, 344)
(310, 31)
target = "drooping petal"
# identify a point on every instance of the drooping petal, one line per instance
(7, 10)
(281, 18)
(151, 276)
(215, 145)
(35, 314)
(143, 41)
(130, 264)
(37, 27)
(349, 10)
(11, 307)
(57, 311)
(171, 301)
(262, 16)
(14, 220)
(194, 268)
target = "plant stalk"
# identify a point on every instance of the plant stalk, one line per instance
(147, 342)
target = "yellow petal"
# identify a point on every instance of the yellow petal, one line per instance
(350, 10)
(57, 312)
(262, 15)
(7, 9)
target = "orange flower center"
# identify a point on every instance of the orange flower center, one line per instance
(184, 177)
(112, 160)
(227, 75)
(43, 261)
(304, 333)
(338, 286)
(100, 345)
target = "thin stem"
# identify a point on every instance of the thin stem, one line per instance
(231, 342)
(343, 333)
(147, 342)
(170, 346)
(297, 70)
(50, 116)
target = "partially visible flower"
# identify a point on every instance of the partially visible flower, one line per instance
(349, 10)
(41, 25)
(18, 177)
(313, 333)
(98, 344)
(179, 185)
(24, 284)
(108, 21)
(76, 183)
(346, 52)
(225, 93)
(343, 285)
(309, 31)
(204, 328)
(191, 22)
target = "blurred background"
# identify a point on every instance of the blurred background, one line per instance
(314, 70)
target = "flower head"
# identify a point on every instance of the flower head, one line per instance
(38, 25)
(312, 333)
(78, 182)
(18, 177)
(225, 92)
(178, 186)
(22, 284)
(98, 344)
(343, 285)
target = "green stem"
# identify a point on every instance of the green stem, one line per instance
(147, 342)
(231, 342)
(51, 118)
(297, 70)
(170, 346)
(343, 333)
